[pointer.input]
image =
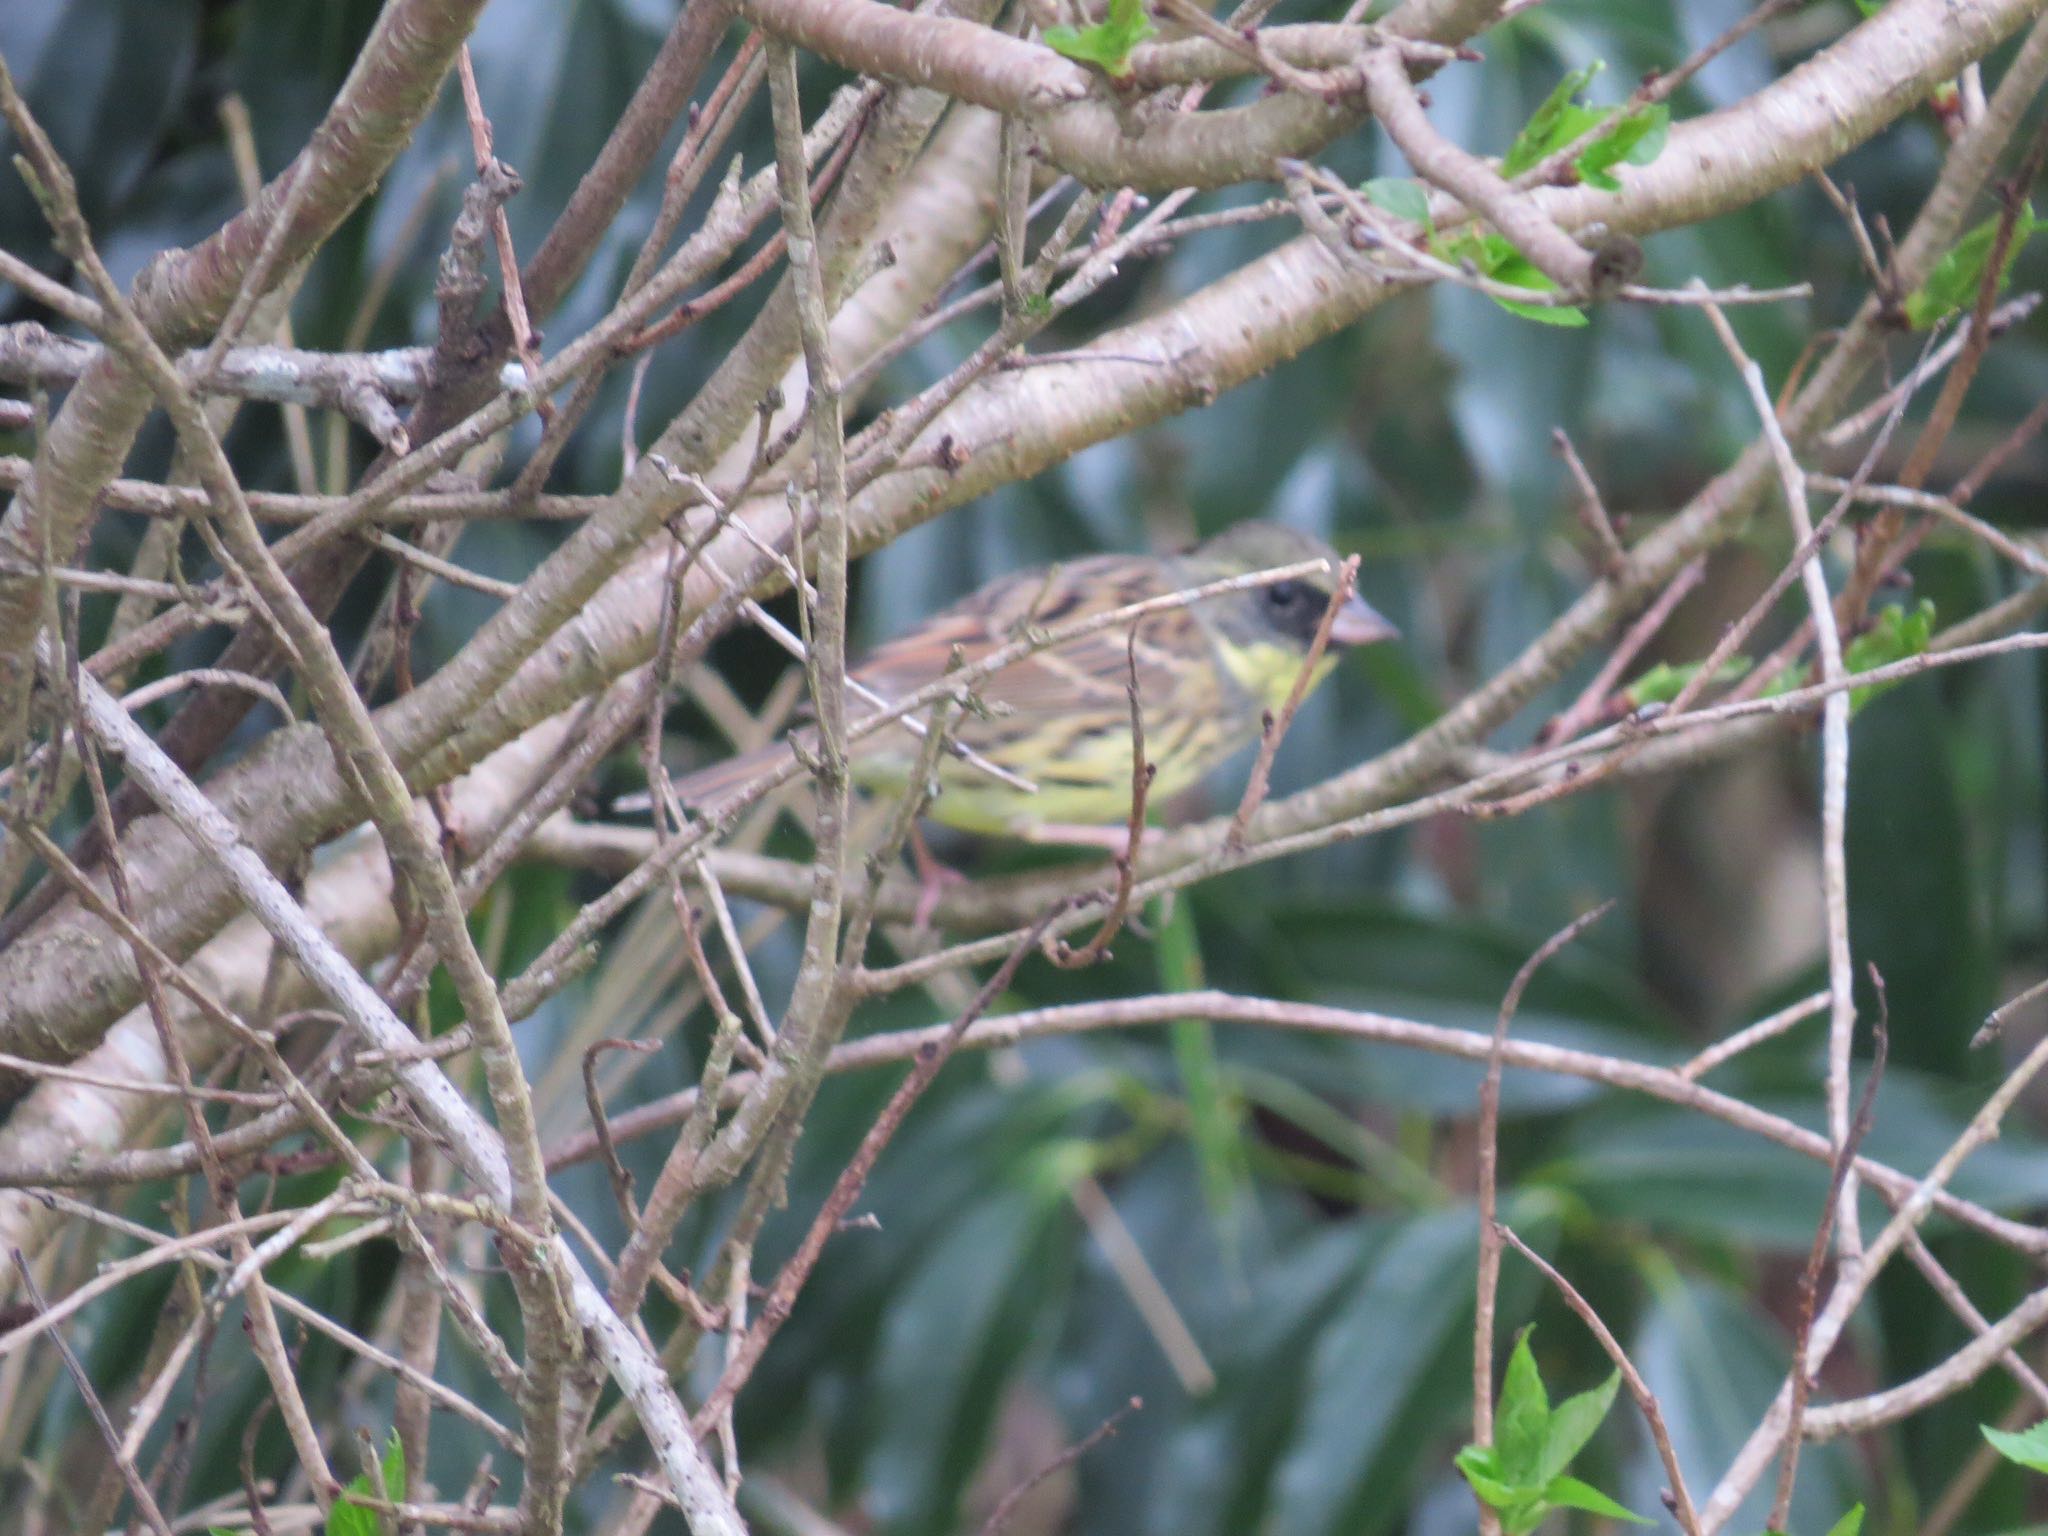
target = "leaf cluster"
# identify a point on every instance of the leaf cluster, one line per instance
(1957, 277)
(1522, 1474)
(1895, 634)
(1601, 139)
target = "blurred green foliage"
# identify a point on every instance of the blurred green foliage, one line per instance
(1328, 1283)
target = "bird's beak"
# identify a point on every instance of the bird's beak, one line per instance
(1360, 624)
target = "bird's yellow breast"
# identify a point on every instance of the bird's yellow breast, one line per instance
(1081, 767)
(1267, 672)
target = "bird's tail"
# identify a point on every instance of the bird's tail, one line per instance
(715, 785)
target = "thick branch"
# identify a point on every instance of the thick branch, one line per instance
(1082, 130)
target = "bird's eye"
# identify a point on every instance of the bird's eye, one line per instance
(1286, 595)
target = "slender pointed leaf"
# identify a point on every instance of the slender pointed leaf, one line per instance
(1570, 1493)
(1572, 1424)
(1521, 1422)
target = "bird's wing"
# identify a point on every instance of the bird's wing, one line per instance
(1086, 674)
(1060, 715)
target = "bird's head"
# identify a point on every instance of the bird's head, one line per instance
(1265, 632)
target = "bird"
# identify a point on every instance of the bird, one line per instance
(1208, 674)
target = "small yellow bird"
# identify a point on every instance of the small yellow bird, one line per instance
(1207, 673)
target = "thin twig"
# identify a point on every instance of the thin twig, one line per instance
(621, 1180)
(1006, 1507)
(781, 1298)
(1872, 554)
(138, 1490)
(1592, 510)
(1593, 700)
(523, 338)
(1995, 1022)
(472, 1143)
(1275, 726)
(1487, 1288)
(1809, 1279)
(1722, 1051)
(1946, 1287)
(1142, 774)
(1834, 772)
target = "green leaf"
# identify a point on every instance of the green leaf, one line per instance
(394, 1470)
(1643, 134)
(1375, 1395)
(1108, 43)
(1522, 1419)
(1957, 276)
(1636, 138)
(1665, 682)
(1521, 1509)
(1517, 271)
(1895, 636)
(2029, 1448)
(1798, 675)
(1613, 137)
(1850, 1524)
(1554, 124)
(348, 1518)
(1483, 1460)
(1481, 1466)
(1570, 1493)
(1401, 197)
(1572, 1424)
(1564, 316)
(1492, 256)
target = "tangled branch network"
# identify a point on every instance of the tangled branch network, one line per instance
(245, 869)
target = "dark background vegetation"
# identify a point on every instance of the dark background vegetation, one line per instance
(1310, 1214)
